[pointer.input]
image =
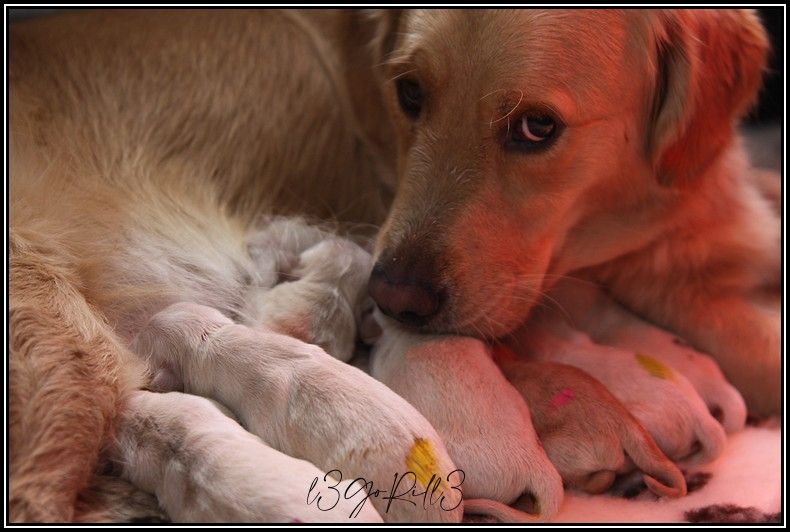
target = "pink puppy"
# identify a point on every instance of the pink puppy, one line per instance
(587, 433)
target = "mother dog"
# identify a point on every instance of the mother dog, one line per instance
(518, 147)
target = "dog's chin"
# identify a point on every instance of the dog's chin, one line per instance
(491, 325)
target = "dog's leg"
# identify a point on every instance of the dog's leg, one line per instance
(67, 373)
(745, 340)
(740, 333)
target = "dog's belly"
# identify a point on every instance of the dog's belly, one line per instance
(148, 157)
(195, 255)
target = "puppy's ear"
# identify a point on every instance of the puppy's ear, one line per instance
(709, 66)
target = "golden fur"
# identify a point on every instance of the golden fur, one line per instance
(646, 191)
(145, 145)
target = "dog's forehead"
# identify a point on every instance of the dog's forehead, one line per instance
(583, 51)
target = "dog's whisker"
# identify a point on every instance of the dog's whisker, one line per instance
(406, 73)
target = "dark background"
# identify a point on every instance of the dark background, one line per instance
(771, 99)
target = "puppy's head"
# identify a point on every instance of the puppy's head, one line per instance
(534, 143)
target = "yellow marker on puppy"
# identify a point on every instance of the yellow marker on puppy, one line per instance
(422, 462)
(586, 431)
(654, 367)
(304, 403)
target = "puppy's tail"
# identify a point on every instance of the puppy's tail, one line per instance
(500, 511)
(661, 475)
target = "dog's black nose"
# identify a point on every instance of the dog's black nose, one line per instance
(406, 290)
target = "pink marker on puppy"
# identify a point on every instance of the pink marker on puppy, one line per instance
(608, 323)
(664, 402)
(587, 433)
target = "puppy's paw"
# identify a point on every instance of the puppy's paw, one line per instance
(724, 402)
(171, 334)
(669, 407)
(369, 329)
(275, 249)
(164, 379)
(662, 400)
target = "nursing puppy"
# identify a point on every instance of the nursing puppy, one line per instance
(588, 434)
(589, 309)
(482, 420)
(308, 405)
(145, 146)
(533, 144)
(323, 302)
(204, 467)
(662, 400)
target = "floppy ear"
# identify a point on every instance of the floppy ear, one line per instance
(709, 66)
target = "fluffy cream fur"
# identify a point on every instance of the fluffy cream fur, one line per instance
(145, 146)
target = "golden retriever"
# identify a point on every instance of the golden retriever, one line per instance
(535, 144)
(518, 146)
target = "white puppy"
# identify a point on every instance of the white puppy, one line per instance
(482, 419)
(305, 403)
(663, 401)
(204, 467)
(607, 322)
(324, 302)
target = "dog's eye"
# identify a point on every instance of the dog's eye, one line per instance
(533, 131)
(409, 97)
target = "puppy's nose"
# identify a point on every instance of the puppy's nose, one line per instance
(406, 289)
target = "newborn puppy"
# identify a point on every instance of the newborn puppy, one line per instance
(204, 467)
(663, 401)
(275, 248)
(483, 421)
(305, 403)
(609, 323)
(324, 304)
(585, 429)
